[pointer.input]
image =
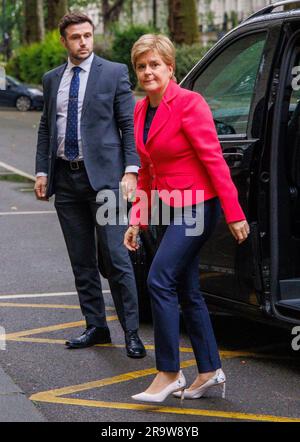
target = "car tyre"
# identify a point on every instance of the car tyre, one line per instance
(23, 103)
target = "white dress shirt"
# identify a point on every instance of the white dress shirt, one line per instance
(62, 109)
(62, 102)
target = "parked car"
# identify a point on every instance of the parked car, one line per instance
(249, 80)
(22, 96)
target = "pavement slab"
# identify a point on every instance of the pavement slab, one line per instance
(14, 405)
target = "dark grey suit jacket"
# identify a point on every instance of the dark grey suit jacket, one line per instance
(106, 125)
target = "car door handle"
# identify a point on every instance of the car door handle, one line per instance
(233, 155)
(234, 158)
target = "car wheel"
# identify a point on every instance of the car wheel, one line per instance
(23, 104)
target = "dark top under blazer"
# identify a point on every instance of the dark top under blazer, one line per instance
(106, 125)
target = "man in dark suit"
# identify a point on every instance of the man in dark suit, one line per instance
(85, 145)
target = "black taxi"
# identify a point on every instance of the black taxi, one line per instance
(251, 80)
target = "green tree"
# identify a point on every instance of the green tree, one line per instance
(111, 12)
(80, 3)
(291, 6)
(234, 19)
(154, 13)
(122, 45)
(11, 24)
(56, 9)
(34, 29)
(183, 22)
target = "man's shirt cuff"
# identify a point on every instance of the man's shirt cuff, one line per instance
(132, 169)
(41, 174)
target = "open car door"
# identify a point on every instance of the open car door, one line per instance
(232, 81)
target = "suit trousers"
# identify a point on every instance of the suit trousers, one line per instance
(76, 206)
(174, 279)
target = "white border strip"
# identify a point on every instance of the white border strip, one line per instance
(43, 295)
(17, 171)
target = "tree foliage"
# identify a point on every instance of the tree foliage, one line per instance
(34, 28)
(111, 12)
(56, 9)
(11, 24)
(31, 61)
(122, 45)
(183, 22)
(291, 6)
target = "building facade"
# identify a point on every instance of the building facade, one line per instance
(218, 13)
(213, 14)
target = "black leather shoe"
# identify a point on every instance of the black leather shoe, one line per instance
(91, 336)
(134, 346)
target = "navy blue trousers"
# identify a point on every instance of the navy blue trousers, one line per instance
(174, 279)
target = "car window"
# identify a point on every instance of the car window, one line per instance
(13, 81)
(228, 83)
(8, 83)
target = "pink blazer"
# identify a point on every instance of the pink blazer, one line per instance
(183, 151)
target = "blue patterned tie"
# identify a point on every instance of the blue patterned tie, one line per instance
(71, 140)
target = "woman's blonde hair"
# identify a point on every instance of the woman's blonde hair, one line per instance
(155, 42)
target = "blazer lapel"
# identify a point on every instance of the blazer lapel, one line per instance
(160, 119)
(163, 112)
(91, 83)
(139, 123)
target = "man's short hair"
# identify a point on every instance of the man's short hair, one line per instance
(73, 18)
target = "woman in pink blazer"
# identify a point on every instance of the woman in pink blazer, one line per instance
(180, 156)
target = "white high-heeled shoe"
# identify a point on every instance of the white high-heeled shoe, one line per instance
(217, 379)
(177, 385)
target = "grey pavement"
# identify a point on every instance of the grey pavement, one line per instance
(14, 405)
(18, 141)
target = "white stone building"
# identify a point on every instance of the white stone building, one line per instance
(216, 9)
(208, 10)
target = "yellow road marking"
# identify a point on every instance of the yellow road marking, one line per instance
(21, 337)
(224, 354)
(62, 342)
(17, 171)
(50, 328)
(159, 409)
(54, 396)
(54, 306)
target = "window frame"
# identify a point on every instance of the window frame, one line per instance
(215, 52)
